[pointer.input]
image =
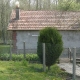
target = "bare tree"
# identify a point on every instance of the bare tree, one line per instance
(29, 4)
(49, 3)
(4, 18)
(36, 4)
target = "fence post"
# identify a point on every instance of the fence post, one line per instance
(24, 52)
(74, 64)
(44, 60)
(68, 52)
(69, 55)
(10, 50)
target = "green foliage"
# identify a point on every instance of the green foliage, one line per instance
(78, 1)
(64, 5)
(15, 70)
(24, 62)
(16, 57)
(5, 55)
(32, 57)
(69, 5)
(5, 10)
(19, 57)
(53, 45)
(4, 51)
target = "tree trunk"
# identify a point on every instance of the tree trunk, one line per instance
(3, 37)
(36, 4)
(48, 68)
(29, 4)
(48, 4)
(40, 4)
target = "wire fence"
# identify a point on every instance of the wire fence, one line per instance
(67, 54)
(8, 52)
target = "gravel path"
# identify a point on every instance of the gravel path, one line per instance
(68, 68)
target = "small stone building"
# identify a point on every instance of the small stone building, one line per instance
(25, 26)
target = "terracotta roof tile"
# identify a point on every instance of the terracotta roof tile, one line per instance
(36, 20)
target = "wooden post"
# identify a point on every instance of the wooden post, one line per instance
(10, 50)
(24, 52)
(44, 60)
(74, 64)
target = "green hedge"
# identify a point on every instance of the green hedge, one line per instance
(5, 55)
(19, 57)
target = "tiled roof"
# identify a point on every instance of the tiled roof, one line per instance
(36, 20)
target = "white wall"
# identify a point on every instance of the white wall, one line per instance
(70, 39)
(30, 38)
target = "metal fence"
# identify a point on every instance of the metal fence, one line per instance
(7, 51)
(67, 55)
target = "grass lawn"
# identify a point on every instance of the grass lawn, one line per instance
(19, 70)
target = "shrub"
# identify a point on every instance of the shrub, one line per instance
(24, 62)
(53, 45)
(19, 57)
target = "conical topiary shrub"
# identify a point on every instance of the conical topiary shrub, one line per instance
(54, 45)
